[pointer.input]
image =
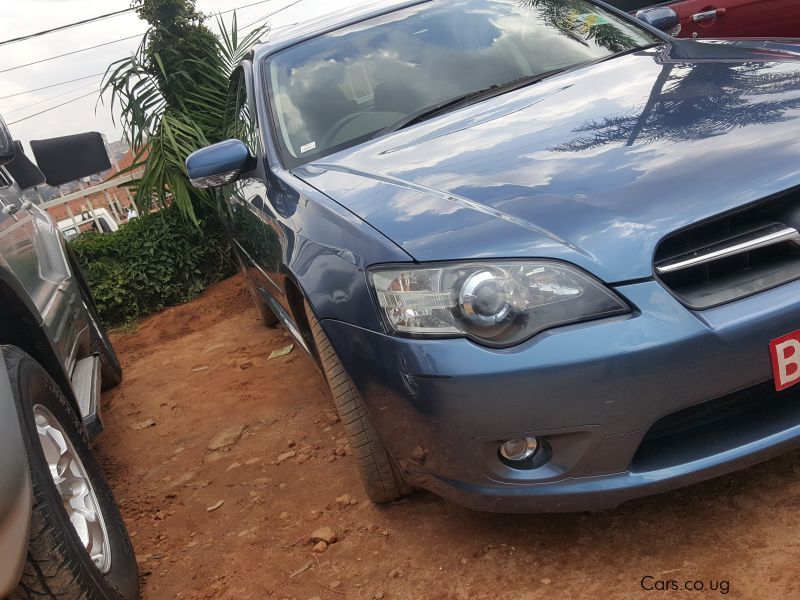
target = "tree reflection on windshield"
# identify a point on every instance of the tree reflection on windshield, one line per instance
(570, 18)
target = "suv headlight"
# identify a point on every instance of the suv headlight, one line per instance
(497, 304)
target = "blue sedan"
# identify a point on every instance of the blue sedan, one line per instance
(546, 256)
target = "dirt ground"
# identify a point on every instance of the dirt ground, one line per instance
(204, 417)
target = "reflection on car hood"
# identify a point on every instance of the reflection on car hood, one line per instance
(594, 166)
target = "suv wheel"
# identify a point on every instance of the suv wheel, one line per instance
(79, 547)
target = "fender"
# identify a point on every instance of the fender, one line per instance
(16, 495)
(22, 326)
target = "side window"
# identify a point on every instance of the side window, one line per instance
(633, 5)
(240, 122)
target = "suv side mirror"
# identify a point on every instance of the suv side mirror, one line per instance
(7, 148)
(218, 164)
(662, 18)
(23, 170)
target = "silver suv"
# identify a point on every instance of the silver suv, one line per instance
(61, 534)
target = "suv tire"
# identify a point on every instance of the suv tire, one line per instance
(59, 564)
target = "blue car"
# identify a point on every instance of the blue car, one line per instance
(546, 255)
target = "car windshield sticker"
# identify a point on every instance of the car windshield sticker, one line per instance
(308, 147)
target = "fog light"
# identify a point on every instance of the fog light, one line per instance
(519, 449)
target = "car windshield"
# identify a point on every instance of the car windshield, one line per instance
(339, 89)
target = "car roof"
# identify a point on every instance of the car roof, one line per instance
(288, 36)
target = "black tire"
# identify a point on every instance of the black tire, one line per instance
(379, 473)
(110, 368)
(58, 565)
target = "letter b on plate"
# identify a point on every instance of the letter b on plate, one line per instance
(786, 360)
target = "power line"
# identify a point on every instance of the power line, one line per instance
(52, 85)
(67, 26)
(52, 108)
(288, 6)
(36, 62)
(106, 16)
(72, 91)
(107, 43)
(230, 10)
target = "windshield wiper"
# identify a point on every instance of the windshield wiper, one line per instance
(441, 107)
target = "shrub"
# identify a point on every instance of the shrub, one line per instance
(158, 260)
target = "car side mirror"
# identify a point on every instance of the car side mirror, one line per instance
(218, 164)
(23, 170)
(662, 18)
(7, 148)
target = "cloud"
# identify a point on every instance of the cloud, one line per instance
(29, 16)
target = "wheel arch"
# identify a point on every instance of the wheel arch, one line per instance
(21, 326)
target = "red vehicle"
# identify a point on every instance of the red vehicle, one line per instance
(727, 18)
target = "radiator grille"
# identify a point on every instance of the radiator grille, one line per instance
(734, 256)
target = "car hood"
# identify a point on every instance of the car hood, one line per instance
(594, 166)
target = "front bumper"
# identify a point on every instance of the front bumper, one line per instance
(592, 391)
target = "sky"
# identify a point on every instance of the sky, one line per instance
(21, 17)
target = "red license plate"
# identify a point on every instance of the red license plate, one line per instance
(786, 360)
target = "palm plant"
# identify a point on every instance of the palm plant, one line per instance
(172, 94)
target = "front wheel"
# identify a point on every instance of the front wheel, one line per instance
(79, 547)
(381, 477)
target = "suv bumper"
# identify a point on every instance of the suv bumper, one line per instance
(592, 392)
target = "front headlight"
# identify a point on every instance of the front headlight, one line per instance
(498, 304)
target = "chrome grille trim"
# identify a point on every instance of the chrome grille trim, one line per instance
(768, 236)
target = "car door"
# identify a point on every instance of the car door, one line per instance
(31, 247)
(728, 18)
(255, 227)
(740, 18)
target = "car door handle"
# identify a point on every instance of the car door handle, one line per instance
(10, 209)
(708, 15)
(27, 205)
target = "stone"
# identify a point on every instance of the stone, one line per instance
(286, 456)
(419, 454)
(325, 534)
(226, 437)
